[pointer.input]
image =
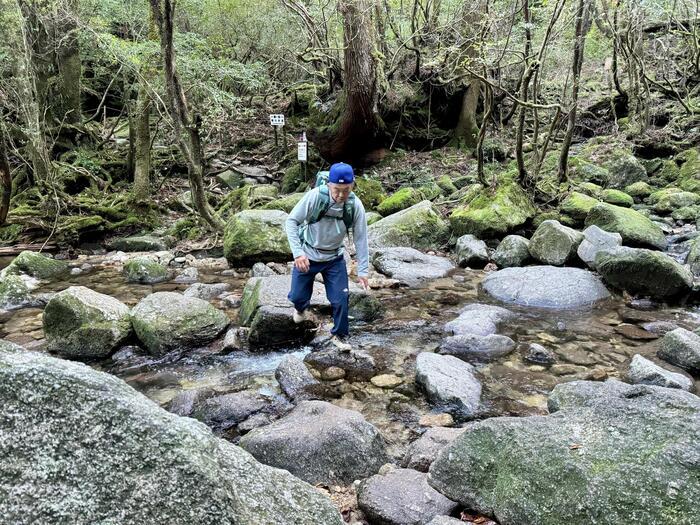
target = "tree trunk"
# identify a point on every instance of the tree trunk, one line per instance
(69, 67)
(185, 126)
(357, 130)
(582, 26)
(142, 156)
(467, 130)
(5, 178)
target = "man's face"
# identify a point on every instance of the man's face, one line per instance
(340, 192)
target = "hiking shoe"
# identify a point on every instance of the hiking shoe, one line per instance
(340, 344)
(300, 317)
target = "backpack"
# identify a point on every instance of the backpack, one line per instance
(323, 204)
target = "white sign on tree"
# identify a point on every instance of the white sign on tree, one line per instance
(302, 151)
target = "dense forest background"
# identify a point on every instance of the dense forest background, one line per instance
(120, 117)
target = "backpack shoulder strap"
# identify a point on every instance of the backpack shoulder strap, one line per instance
(321, 206)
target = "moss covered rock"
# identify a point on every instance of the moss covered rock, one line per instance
(670, 199)
(608, 453)
(79, 322)
(421, 226)
(247, 197)
(669, 172)
(689, 161)
(554, 215)
(446, 185)
(635, 228)
(400, 200)
(293, 179)
(140, 243)
(577, 205)
(555, 244)
(145, 270)
(686, 213)
(167, 321)
(370, 192)
(15, 291)
(372, 217)
(639, 190)
(285, 204)
(486, 213)
(513, 251)
(256, 236)
(619, 198)
(590, 189)
(37, 265)
(625, 170)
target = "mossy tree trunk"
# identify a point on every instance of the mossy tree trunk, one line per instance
(5, 178)
(185, 125)
(68, 64)
(466, 132)
(142, 150)
(358, 127)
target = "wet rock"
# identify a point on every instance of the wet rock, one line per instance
(540, 355)
(145, 270)
(555, 244)
(635, 228)
(632, 446)
(226, 411)
(631, 331)
(37, 265)
(659, 327)
(79, 322)
(423, 451)
(479, 319)
(272, 291)
(513, 251)
(681, 347)
(595, 240)
(645, 272)
(546, 287)
(206, 291)
(357, 364)
(186, 276)
(295, 380)
(386, 381)
(471, 252)
(183, 403)
(644, 371)
(363, 306)
(401, 497)
(233, 340)
(131, 462)
(319, 443)
(167, 321)
(446, 520)
(275, 326)
(411, 266)
(261, 270)
(420, 226)
(15, 291)
(477, 348)
(256, 235)
(449, 383)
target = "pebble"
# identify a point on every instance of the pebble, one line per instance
(386, 381)
(436, 420)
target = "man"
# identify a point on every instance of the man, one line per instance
(316, 229)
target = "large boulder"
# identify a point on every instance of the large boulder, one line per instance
(644, 371)
(82, 447)
(319, 443)
(423, 451)
(274, 326)
(625, 170)
(139, 243)
(410, 266)
(256, 235)
(555, 244)
(486, 213)
(618, 198)
(546, 287)
(644, 272)
(449, 383)
(595, 240)
(421, 226)
(167, 321)
(671, 199)
(635, 228)
(400, 200)
(577, 205)
(145, 270)
(354, 365)
(79, 322)
(609, 453)
(37, 265)
(513, 250)
(479, 319)
(681, 347)
(471, 252)
(693, 258)
(401, 497)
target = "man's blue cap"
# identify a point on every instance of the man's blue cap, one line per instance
(341, 173)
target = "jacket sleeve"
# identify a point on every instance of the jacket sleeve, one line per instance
(359, 233)
(297, 217)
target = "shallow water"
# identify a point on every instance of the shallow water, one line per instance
(586, 342)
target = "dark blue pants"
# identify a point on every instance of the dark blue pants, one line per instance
(335, 278)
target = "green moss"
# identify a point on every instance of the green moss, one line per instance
(566, 220)
(577, 205)
(617, 197)
(669, 171)
(186, 228)
(400, 200)
(10, 233)
(37, 265)
(670, 199)
(446, 185)
(370, 192)
(256, 236)
(286, 203)
(639, 190)
(590, 189)
(145, 270)
(487, 213)
(293, 179)
(247, 197)
(635, 228)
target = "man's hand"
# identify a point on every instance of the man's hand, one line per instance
(302, 263)
(363, 282)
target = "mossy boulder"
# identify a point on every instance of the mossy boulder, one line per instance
(555, 244)
(589, 173)
(639, 190)
(79, 322)
(625, 170)
(139, 243)
(670, 199)
(37, 265)
(554, 215)
(370, 192)
(231, 179)
(577, 205)
(693, 259)
(669, 172)
(446, 185)
(690, 164)
(256, 236)
(686, 213)
(400, 200)
(421, 226)
(644, 272)
(618, 198)
(372, 217)
(293, 179)
(247, 197)
(167, 321)
(145, 270)
(15, 291)
(590, 189)
(486, 213)
(285, 204)
(635, 228)
(512, 251)
(608, 453)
